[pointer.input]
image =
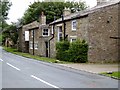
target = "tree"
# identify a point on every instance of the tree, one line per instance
(50, 9)
(10, 32)
(4, 8)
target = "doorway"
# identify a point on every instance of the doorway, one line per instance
(46, 44)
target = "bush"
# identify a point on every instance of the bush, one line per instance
(61, 48)
(73, 52)
(78, 51)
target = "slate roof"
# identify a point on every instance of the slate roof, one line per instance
(87, 11)
(44, 26)
(32, 25)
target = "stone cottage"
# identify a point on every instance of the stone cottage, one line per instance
(39, 38)
(23, 38)
(34, 37)
(98, 26)
(68, 27)
(23, 45)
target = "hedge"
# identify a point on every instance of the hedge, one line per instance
(73, 52)
(62, 48)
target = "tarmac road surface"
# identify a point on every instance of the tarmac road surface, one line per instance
(21, 72)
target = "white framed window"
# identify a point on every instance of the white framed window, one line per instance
(74, 25)
(35, 45)
(59, 33)
(45, 32)
(31, 45)
(26, 35)
(73, 38)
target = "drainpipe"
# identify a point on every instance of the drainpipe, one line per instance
(51, 39)
(52, 35)
(33, 42)
(64, 27)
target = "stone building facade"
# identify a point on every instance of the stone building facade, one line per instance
(98, 26)
(39, 37)
(103, 33)
(44, 35)
(33, 38)
(23, 36)
(71, 28)
(23, 45)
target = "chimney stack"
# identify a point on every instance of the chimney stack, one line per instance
(66, 12)
(101, 1)
(43, 19)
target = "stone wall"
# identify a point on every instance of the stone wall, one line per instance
(22, 44)
(103, 25)
(97, 29)
(80, 33)
(20, 35)
(53, 42)
(36, 38)
(40, 40)
(119, 32)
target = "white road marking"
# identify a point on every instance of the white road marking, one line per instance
(44, 81)
(1, 60)
(13, 66)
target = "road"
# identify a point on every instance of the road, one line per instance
(21, 72)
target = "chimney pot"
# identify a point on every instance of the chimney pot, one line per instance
(42, 19)
(67, 11)
(101, 1)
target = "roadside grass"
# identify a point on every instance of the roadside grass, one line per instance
(115, 75)
(45, 59)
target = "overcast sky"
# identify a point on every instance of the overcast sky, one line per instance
(19, 6)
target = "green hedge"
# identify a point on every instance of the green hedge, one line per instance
(61, 48)
(73, 52)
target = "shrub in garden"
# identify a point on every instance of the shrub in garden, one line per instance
(73, 52)
(78, 51)
(62, 48)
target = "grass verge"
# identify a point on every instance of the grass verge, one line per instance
(50, 60)
(115, 75)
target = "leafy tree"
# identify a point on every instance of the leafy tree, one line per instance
(4, 9)
(10, 32)
(50, 9)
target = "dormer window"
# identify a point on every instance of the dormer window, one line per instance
(45, 32)
(74, 25)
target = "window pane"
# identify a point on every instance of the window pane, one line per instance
(73, 25)
(45, 32)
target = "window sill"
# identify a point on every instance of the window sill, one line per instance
(73, 30)
(45, 36)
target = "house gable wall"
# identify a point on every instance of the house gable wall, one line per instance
(103, 25)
